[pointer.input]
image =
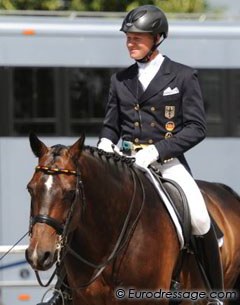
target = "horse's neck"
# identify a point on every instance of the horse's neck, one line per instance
(106, 184)
(108, 191)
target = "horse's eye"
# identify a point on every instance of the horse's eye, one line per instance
(69, 195)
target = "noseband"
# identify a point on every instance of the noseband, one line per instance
(60, 228)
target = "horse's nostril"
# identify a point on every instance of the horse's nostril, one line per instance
(46, 256)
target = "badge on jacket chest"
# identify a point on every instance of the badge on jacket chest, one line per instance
(169, 112)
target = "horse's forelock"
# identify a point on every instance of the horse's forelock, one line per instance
(57, 150)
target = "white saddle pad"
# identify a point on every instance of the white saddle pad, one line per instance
(167, 203)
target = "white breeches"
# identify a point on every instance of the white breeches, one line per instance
(200, 219)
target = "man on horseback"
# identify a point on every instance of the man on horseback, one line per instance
(156, 107)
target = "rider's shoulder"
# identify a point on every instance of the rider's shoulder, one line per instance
(176, 67)
(126, 73)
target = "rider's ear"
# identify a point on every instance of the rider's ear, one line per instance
(76, 149)
(37, 146)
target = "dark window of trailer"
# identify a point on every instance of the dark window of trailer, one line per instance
(53, 101)
(67, 101)
(27, 101)
(221, 95)
(88, 91)
(212, 82)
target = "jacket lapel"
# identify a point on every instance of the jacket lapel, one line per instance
(131, 82)
(163, 77)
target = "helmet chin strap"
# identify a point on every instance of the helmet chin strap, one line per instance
(147, 57)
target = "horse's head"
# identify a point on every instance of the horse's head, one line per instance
(54, 189)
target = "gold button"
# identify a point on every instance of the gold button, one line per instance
(136, 124)
(168, 135)
(153, 108)
(153, 124)
(150, 141)
(136, 140)
(136, 107)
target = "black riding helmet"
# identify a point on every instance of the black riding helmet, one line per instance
(146, 19)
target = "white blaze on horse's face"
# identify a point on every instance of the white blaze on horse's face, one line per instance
(49, 182)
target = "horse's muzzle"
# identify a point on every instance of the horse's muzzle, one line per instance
(40, 260)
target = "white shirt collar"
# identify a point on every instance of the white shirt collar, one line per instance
(147, 71)
(156, 62)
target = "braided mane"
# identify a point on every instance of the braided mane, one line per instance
(95, 152)
(109, 156)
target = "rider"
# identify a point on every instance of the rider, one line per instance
(156, 107)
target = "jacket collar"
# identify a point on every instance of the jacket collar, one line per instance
(158, 83)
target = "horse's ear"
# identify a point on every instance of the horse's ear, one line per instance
(76, 149)
(37, 146)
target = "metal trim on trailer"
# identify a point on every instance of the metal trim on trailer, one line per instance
(58, 41)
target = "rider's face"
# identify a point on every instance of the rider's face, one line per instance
(139, 44)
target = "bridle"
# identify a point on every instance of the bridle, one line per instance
(63, 229)
(60, 228)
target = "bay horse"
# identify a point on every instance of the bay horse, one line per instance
(99, 216)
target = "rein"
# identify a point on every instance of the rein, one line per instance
(122, 239)
(62, 229)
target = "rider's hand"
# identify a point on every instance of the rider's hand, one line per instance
(146, 156)
(108, 146)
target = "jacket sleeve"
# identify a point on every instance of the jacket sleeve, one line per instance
(111, 123)
(193, 121)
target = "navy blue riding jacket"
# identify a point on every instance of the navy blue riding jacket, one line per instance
(169, 113)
